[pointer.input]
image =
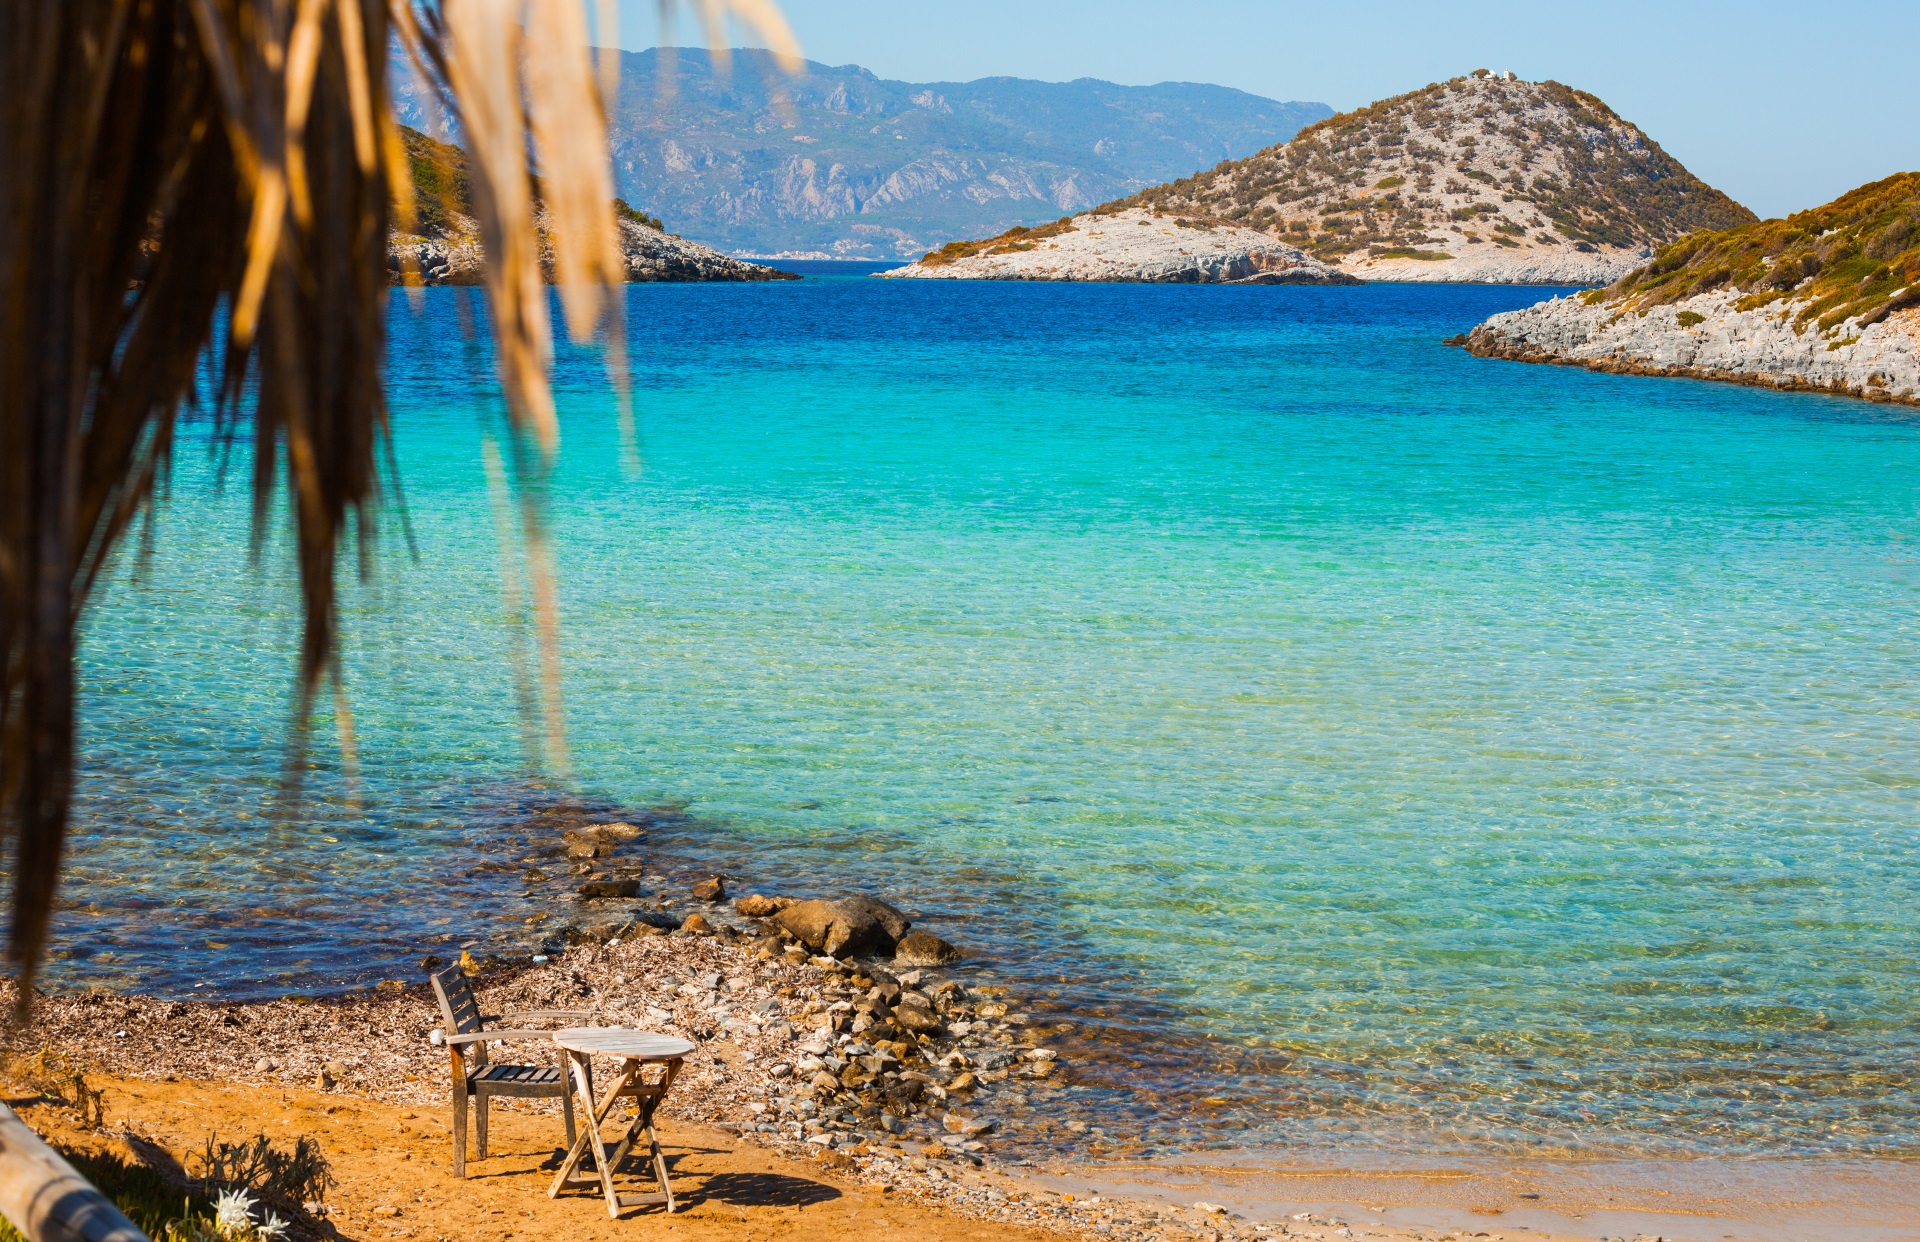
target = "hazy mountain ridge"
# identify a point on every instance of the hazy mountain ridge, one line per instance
(842, 162)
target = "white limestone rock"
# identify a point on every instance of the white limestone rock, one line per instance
(1137, 245)
(1878, 361)
(1485, 263)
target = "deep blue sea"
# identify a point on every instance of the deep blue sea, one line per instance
(1365, 743)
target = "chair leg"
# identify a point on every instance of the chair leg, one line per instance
(480, 1103)
(459, 1132)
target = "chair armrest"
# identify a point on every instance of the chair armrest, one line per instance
(487, 1037)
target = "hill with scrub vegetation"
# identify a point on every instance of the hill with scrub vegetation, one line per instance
(1827, 298)
(1482, 178)
(1855, 259)
(443, 246)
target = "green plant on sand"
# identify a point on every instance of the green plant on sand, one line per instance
(294, 1178)
(56, 1077)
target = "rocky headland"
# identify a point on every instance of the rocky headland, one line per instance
(452, 256)
(443, 247)
(1827, 299)
(1133, 245)
(1483, 179)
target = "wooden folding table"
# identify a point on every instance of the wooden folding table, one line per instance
(649, 1064)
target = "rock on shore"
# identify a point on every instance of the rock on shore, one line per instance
(1136, 245)
(1880, 361)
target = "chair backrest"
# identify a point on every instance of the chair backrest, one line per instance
(457, 1006)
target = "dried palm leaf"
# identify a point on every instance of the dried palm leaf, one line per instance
(189, 180)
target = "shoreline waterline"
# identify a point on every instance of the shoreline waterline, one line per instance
(372, 1046)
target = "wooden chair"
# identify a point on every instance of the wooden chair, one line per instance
(466, 1032)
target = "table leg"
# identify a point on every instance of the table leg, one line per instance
(580, 1081)
(620, 1153)
(646, 1103)
(660, 1166)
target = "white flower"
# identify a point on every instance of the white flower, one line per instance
(232, 1212)
(270, 1228)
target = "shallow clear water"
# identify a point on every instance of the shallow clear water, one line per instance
(1366, 742)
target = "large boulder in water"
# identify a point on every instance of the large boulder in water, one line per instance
(849, 927)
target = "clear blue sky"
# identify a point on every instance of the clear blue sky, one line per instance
(1783, 106)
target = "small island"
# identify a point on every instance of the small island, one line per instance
(1482, 178)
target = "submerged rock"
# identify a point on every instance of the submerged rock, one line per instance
(924, 949)
(598, 889)
(712, 889)
(849, 927)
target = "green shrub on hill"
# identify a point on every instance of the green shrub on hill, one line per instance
(442, 183)
(1858, 256)
(625, 212)
(443, 186)
(1019, 237)
(1608, 184)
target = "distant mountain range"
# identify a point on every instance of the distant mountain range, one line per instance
(838, 162)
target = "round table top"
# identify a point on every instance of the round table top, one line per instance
(622, 1041)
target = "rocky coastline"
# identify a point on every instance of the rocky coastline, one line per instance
(825, 1030)
(1136, 245)
(1710, 336)
(1461, 261)
(452, 256)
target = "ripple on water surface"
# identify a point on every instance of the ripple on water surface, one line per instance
(1360, 741)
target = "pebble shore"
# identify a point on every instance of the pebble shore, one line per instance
(794, 1051)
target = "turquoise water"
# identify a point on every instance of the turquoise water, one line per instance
(1364, 742)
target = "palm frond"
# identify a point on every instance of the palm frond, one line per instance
(191, 180)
